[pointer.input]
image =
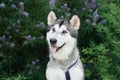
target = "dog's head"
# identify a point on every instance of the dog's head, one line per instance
(61, 33)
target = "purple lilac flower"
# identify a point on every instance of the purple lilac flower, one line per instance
(62, 17)
(33, 62)
(25, 14)
(21, 4)
(2, 5)
(13, 6)
(65, 7)
(28, 37)
(94, 4)
(95, 18)
(3, 38)
(12, 45)
(90, 10)
(95, 12)
(52, 3)
(42, 24)
(85, 3)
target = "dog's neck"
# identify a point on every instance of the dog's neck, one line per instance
(64, 64)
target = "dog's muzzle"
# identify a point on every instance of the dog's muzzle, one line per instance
(55, 48)
(53, 41)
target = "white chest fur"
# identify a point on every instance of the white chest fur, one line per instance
(55, 73)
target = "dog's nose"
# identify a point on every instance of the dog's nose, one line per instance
(53, 41)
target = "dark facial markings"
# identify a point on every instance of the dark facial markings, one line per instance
(73, 32)
(61, 23)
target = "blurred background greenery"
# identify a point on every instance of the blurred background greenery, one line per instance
(24, 50)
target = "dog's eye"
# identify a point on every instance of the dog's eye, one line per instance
(64, 32)
(53, 29)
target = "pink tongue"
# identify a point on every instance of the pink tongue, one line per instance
(53, 49)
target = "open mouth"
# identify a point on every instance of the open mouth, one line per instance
(55, 48)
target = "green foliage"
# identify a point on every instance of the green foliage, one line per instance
(103, 58)
(23, 47)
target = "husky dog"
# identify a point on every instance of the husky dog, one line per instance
(64, 63)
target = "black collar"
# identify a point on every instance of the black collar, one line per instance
(67, 73)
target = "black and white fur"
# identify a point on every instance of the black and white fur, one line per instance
(62, 40)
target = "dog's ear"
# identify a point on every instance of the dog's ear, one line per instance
(75, 21)
(51, 18)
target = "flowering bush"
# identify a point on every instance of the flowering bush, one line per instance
(23, 48)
